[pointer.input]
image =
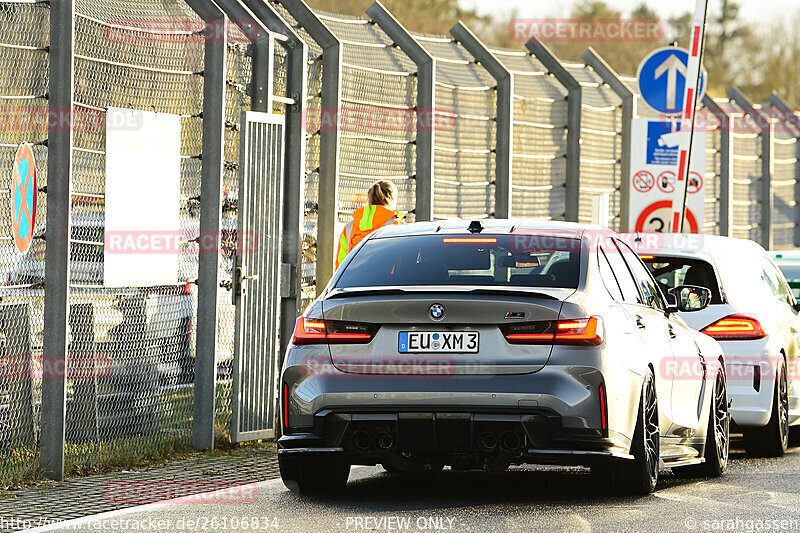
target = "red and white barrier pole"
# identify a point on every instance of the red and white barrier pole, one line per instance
(693, 76)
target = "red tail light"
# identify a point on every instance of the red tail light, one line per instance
(580, 332)
(317, 331)
(603, 408)
(735, 328)
(285, 410)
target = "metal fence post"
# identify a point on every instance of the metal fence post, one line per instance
(294, 154)
(329, 143)
(504, 141)
(57, 261)
(611, 78)
(790, 119)
(767, 159)
(426, 106)
(725, 165)
(215, 36)
(574, 103)
(263, 58)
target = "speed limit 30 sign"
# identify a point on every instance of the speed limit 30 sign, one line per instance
(656, 218)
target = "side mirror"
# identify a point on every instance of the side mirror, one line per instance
(690, 298)
(796, 306)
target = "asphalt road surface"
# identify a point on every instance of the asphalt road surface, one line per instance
(754, 495)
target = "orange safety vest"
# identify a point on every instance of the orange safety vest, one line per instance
(365, 221)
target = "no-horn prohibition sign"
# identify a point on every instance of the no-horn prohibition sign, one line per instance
(23, 198)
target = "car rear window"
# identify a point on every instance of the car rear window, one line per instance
(670, 272)
(791, 271)
(492, 260)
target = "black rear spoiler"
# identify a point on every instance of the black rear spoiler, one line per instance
(439, 289)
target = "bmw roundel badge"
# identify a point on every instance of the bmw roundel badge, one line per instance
(436, 312)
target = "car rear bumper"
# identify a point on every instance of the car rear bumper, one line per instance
(569, 392)
(750, 370)
(552, 416)
(452, 437)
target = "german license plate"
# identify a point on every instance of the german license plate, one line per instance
(438, 341)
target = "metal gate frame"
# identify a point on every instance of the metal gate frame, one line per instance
(257, 277)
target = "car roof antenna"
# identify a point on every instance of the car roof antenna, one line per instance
(476, 226)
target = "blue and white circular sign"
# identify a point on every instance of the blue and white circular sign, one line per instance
(662, 79)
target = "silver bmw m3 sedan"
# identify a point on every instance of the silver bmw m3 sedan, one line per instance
(485, 344)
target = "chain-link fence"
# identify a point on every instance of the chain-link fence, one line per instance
(540, 138)
(465, 139)
(313, 124)
(745, 174)
(601, 143)
(784, 185)
(23, 93)
(714, 155)
(132, 350)
(133, 346)
(376, 117)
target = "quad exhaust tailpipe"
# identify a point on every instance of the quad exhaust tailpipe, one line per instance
(361, 440)
(384, 441)
(510, 441)
(487, 442)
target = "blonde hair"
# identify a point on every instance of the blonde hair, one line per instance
(382, 192)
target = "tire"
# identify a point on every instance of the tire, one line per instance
(639, 476)
(313, 473)
(772, 440)
(717, 436)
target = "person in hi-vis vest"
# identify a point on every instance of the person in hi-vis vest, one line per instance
(379, 212)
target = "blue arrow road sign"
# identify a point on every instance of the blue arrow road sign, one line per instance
(662, 79)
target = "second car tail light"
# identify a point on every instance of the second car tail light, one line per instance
(603, 407)
(318, 331)
(577, 332)
(735, 328)
(285, 410)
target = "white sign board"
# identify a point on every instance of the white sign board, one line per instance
(143, 167)
(653, 181)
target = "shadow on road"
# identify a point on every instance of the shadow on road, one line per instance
(387, 492)
(394, 492)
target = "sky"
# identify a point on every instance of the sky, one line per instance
(762, 10)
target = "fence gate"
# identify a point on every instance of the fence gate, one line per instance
(256, 277)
